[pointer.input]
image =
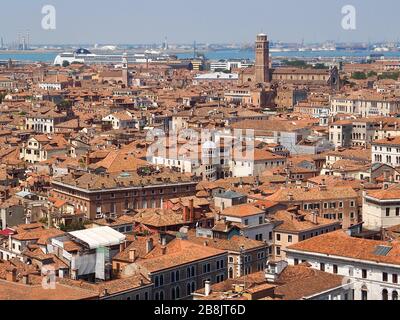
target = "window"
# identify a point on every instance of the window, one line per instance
(322, 266)
(395, 295)
(278, 251)
(246, 222)
(296, 262)
(384, 276)
(387, 212)
(290, 238)
(364, 274)
(364, 294)
(385, 295)
(397, 212)
(278, 237)
(394, 278)
(335, 268)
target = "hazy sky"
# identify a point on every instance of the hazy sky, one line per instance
(209, 21)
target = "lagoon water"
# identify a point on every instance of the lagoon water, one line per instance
(217, 55)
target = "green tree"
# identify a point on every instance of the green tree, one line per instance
(295, 63)
(371, 74)
(320, 66)
(358, 75)
(389, 75)
(65, 64)
(2, 96)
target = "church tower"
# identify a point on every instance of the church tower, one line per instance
(125, 70)
(262, 59)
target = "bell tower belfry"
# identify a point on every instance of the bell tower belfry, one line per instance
(262, 59)
(125, 69)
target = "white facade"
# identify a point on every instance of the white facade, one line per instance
(386, 153)
(229, 65)
(379, 214)
(364, 107)
(367, 276)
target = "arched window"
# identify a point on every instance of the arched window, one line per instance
(364, 293)
(161, 295)
(177, 275)
(173, 296)
(193, 272)
(157, 296)
(230, 273)
(395, 295)
(177, 292)
(188, 290)
(385, 294)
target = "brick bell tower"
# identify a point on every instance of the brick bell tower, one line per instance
(125, 70)
(262, 59)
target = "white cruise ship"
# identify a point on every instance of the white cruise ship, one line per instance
(86, 57)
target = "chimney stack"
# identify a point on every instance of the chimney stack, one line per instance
(207, 288)
(132, 255)
(25, 278)
(122, 246)
(315, 217)
(11, 274)
(149, 245)
(186, 214)
(191, 204)
(163, 239)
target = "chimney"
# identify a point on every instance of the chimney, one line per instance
(186, 214)
(207, 288)
(322, 186)
(49, 220)
(25, 278)
(163, 250)
(11, 274)
(191, 204)
(290, 196)
(105, 292)
(386, 175)
(122, 246)
(87, 159)
(132, 255)
(149, 245)
(163, 239)
(315, 217)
